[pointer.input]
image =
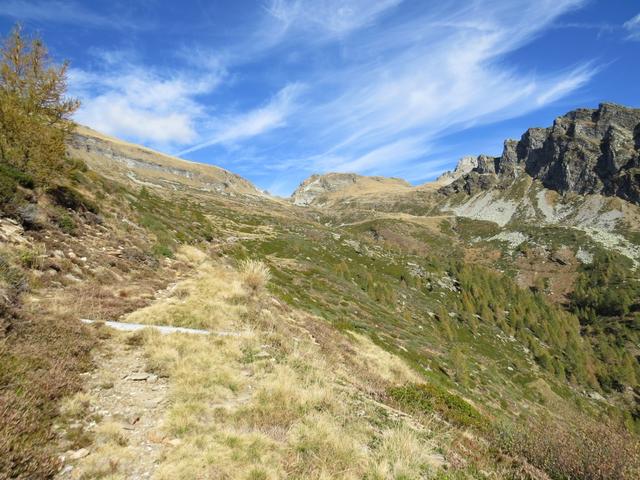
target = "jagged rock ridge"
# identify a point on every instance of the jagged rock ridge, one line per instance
(586, 151)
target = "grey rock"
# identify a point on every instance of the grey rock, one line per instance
(586, 151)
(78, 454)
(464, 166)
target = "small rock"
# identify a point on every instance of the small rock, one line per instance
(152, 379)
(72, 278)
(596, 396)
(174, 442)
(139, 377)
(78, 454)
(436, 460)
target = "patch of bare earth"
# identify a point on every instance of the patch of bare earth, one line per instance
(123, 415)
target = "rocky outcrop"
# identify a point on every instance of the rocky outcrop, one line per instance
(317, 188)
(587, 151)
(465, 165)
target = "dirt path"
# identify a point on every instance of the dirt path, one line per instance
(125, 411)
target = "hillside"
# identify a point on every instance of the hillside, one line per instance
(137, 165)
(336, 188)
(365, 329)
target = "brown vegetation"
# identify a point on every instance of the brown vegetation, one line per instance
(580, 448)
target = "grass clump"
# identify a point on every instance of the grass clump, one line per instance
(255, 274)
(66, 223)
(111, 433)
(428, 398)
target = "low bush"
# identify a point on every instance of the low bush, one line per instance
(573, 448)
(428, 398)
(66, 223)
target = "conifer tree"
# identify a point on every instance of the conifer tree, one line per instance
(35, 114)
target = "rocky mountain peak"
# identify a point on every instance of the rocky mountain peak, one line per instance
(586, 151)
(464, 165)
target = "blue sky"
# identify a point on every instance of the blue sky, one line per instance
(278, 89)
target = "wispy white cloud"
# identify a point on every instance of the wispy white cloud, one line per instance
(633, 27)
(431, 75)
(575, 79)
(231, 129)
(60, 11)
(333, 18)
(386, 84)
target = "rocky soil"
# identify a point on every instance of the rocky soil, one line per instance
(126, 405)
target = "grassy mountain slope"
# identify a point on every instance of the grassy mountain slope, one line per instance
(465, 347)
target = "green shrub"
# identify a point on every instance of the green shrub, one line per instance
(66, 223)
(10, 178)
(161, 250)
(21, 178)
(427, 398)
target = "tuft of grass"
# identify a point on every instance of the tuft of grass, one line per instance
(75, 406)
(111, 433)
(66, 223)
(255, 275)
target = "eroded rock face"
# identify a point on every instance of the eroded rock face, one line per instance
(585, 151)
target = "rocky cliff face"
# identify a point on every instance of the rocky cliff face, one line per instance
(585, 151)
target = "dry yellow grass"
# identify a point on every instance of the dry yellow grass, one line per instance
(76, 405)
(111, 433)
(255, 275)
(271, 404)
(209, 300)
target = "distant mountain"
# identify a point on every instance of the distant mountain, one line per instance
(319, 188)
